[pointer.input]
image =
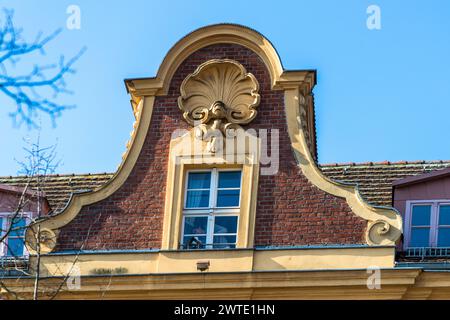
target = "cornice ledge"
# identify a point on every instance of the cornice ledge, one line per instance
(144, 87)
(214, 34)
(292, 79)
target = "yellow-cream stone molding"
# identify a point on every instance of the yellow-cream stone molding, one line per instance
(216, 98)
(320, 284)
(225, 260)
(77, 200)
(384, 224)
(187, 152)
(219, 89)
(47, 239)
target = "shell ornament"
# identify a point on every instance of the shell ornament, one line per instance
(218, 95)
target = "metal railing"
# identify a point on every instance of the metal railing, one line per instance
(13, 265)
(428, 252)
(207, 246)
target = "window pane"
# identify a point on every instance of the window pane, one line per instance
(229, 179)
(15, 247)
(18, 227)
(195, 225)
(199, 180)
(225, 224)
(420, 237)
(224, 242)
(444, 215)
(421, 215)
(197, 199)
(444, 237)
(1, 226)
(228, 198)
(194, 242)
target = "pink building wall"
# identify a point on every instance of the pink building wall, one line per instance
(10, 198)
(436, 189)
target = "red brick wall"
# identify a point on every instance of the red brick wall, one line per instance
(290, 210)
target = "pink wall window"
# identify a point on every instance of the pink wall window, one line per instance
(12, 231)
(427, 223)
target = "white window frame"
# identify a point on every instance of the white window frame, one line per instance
(6, 219)
(434, 223)
(212, 210)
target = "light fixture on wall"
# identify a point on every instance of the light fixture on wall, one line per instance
(203, 265)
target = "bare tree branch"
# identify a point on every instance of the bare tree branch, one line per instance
(15, 295)
(69, 272)
(36, 91)
(22, 203)
(38, 164)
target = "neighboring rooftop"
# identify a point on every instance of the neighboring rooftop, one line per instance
(438, 174)
(58, 188)
(375, 179)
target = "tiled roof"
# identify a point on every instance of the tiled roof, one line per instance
(375, 179)
(58, 188)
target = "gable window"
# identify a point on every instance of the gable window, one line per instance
(13, 229)
(211, 209)
(428, 224)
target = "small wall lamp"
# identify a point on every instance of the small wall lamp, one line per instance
(203, 265)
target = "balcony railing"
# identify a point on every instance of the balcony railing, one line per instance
(207, 246)
(428, 252)
(10, 266)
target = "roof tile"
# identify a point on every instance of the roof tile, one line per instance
(58, 188)
(375, 179)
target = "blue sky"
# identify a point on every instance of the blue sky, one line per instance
(381, 94)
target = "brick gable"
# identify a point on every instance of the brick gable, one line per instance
(290, 210)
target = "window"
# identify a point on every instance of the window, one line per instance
(211, 209)
(428, 224)
(14, 243)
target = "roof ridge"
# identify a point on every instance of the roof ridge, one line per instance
(62, 175)
(386, 163)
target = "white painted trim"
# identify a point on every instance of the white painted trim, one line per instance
(434, 219)
(212, 211)
(5, 225)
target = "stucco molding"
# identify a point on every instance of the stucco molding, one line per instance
(221, 260)
(144, 91)
(319, 284)
(215, 34)
(52, 224)
(217, 98)
(384, 224)
(222, 83)
(187, 152)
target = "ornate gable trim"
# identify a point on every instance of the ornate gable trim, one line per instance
(384, 224)
(216, 98)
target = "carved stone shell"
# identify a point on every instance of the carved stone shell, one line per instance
(219, 89)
